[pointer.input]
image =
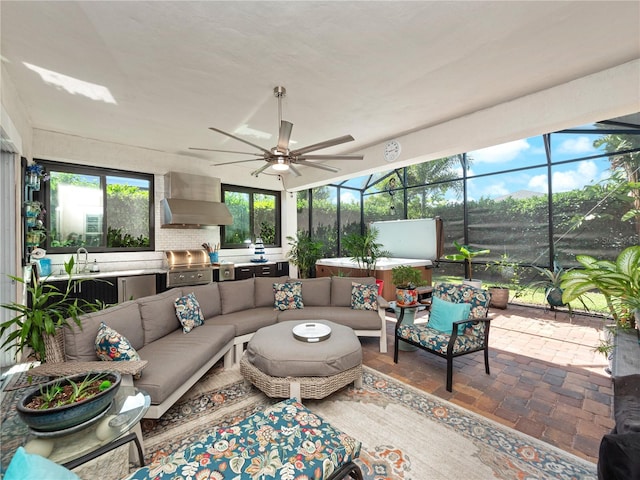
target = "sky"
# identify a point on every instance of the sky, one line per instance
(529, 152)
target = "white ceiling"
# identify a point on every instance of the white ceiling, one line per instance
(375, 70)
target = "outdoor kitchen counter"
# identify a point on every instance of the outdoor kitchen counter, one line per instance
(105, 274)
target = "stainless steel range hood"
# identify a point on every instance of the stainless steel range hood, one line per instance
(193, 201)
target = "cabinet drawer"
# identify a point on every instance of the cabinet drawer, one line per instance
(265, 270)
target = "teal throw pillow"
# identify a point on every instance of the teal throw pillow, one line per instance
(28, 466)
(110, 345)
(288, 296)
(364, 296)
(444, 313)
(189, 312)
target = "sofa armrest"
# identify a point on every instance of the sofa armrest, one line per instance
(130, 367)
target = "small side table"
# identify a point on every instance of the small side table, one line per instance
(410, 317)
(118, 426)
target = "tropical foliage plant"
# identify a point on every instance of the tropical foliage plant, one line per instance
(365, 250)
(405, 276)
(619, 283)
(47, 309)
(304, 253)
(466, 253)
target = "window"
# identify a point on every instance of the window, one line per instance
(99, 209)
(256, 214)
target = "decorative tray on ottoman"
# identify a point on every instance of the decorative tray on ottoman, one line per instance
(311, 332)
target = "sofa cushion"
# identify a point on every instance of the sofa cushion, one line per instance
(110, 345)
(188, 312)
(159, 315)
(176, 357)
(288, 296)
(236, 296)
(79, 344)
(247, 321)
(355, 319)
(208, 297)
(364, 297)
(316, 292)
(341, 289)
(264, 296)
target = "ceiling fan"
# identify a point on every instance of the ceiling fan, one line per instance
(280, 157)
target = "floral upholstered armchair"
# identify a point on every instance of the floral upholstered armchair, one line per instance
(458, 325)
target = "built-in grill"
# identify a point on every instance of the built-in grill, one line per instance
(188, 267)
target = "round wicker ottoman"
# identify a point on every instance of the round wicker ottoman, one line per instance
(283, 367)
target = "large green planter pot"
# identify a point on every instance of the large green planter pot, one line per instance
(67, 416)
(554, 297)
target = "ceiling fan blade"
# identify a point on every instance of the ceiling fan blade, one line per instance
(284, 135)
(240, 139)
(325, 144)
(224, 151)
(331, 157)
(318, 165)
(295, 171)
(257, 172)
(237, 161)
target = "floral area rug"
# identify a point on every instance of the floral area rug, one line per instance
(405, 433)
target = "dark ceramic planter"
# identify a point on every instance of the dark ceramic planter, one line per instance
(67, 416)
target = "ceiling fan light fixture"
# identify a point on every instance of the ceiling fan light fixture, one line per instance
(281, 166)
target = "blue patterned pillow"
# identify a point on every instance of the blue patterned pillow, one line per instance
(444, 313)
(364, 297)
(288, 296)
(189, 312)
(110, 345)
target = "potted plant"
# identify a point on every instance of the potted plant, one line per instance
(551, 284)
(69, 401)
(365, 250)
(406, 279)
(508, 273)
(466, 253)
(619, 283)
(304, 253)
(47, 310)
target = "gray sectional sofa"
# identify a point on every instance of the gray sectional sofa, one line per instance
(233, 312)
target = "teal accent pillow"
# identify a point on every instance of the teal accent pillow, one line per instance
(444, 313)
(288, 296)
(110, 345)
(189, 312)
(28, 466)
(364, 297)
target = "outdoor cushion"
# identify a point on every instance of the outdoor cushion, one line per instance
(158, 315)
(247, 321)
(110, 345)
(264, 296)
(79, 343)
(288, 296)
(275, 351)
(355, 319)
(444, 313)
(208, 297)
(341, 289)
(188, 312)
(364, 297)
(28, 466)
(237, 296)
(437, 340)
(285, 441)
(460, 293)
(316, 291)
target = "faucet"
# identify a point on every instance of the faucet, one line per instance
(86, 260)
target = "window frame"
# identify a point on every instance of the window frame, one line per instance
(44, 196)
(253, 191)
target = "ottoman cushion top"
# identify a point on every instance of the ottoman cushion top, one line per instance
(275, 351)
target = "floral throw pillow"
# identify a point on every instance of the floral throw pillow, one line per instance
(364, 296)
(288, 296)
(110, 345)
(189, 312)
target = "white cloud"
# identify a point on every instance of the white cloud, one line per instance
(568, 180)
(503, 153)
(576, 145)
(348, 197)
